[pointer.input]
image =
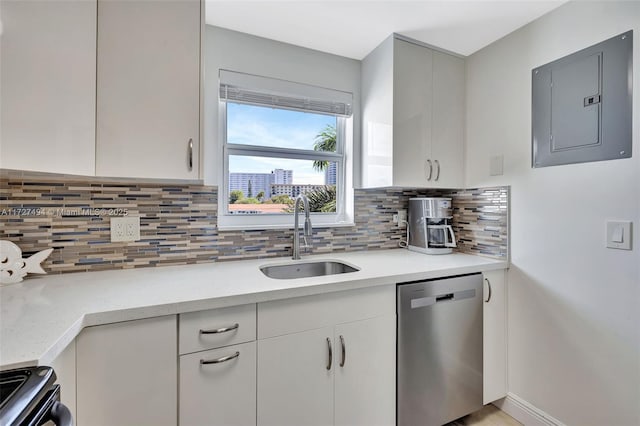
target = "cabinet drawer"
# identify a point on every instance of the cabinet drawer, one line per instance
(281, 317)
(216, 328)
(222, 393)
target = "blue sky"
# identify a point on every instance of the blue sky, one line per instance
(252, 125)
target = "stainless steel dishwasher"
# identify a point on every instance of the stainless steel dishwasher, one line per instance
(439, 350)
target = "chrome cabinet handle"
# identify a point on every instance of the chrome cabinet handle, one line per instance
(437, 170)
(190, 161)
(344, 351)
(430, 169)
(489, 287)
(220, 330)
(219, 360)
(330, 361)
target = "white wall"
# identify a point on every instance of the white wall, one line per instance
(574, 306)
(235, 51)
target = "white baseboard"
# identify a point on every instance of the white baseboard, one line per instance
(526, 413)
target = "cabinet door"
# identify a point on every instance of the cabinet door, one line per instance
(412, 103)
(148, 90)
(448, 121)
(495, 336)
(366, 376)
(222, 393)
(127, 373)
(65, 367)
(295, 388)
(48, 81)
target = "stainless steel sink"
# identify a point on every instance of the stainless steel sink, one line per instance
(306, 269)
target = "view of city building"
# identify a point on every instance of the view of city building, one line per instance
(293, 190)
(331, 174)
(251, 184)
(278, 183)
(282, 176)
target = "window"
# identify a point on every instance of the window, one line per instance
(281, 139)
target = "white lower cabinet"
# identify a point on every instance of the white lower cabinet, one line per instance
(65, 367)
(295, 387)
(365, 378)
(494, 336)
(127, 373)
(322, 360)
(218, 387)
(342, 373)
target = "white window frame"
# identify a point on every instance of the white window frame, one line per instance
(344, 191)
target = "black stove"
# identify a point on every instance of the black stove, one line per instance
(30, 397)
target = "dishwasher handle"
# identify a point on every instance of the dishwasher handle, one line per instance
(444, 297)
(422, 302)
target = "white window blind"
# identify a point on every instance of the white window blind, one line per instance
(271, 92)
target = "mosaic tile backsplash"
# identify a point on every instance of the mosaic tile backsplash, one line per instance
(178, 223)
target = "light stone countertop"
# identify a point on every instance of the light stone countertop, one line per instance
(42, 315)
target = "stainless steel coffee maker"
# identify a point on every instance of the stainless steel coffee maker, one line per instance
(430, 228)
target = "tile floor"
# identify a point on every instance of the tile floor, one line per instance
(490, 415)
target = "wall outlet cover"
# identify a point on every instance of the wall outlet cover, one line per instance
(402, 218)
(125, 229)
(496, 165)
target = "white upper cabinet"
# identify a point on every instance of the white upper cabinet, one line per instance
(148, 89)
(48, 80)
(447, 131)
(413, 117)
(412, 113)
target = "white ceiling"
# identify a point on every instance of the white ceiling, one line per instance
(354, 28)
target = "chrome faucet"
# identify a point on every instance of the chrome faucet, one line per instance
(307, 225)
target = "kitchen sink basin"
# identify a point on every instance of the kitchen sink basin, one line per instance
(306, 269)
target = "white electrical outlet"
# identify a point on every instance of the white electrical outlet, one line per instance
(125, 228)
(401, 218)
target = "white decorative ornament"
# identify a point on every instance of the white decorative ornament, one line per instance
(13, 267)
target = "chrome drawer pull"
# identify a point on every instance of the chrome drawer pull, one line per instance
(438, 170)
(430, 169)
(219, 360)
(220, 330)
(344, 351)
(330, 361)
(190, 157)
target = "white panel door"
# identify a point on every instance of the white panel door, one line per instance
(148, 90)
(448, 121)
(48, 80)
(365, 378)
(65, 367)
(494, 336)
(412, 103)
(295, 388)
(127, 373)
(222, 393)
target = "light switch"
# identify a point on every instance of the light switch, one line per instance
(619, 234)
(616, 237)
